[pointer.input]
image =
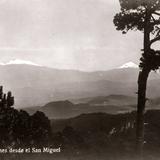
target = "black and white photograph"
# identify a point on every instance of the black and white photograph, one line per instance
(79, 79)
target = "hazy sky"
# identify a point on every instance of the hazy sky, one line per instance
(70, 34)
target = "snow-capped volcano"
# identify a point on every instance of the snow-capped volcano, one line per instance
(19, 61)
(129, 65)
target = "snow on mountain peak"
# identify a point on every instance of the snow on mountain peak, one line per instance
(129, 65)
(19, 61)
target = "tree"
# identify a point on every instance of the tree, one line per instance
(142, 15)
(40, 129)
(18, 128)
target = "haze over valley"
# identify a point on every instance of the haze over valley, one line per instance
(67, 93)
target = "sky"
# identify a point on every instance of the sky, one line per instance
(66, 34)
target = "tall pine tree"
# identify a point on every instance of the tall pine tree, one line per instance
(142, 15)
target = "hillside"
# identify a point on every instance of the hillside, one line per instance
(93, 122)
(104, 133)
(58, 109)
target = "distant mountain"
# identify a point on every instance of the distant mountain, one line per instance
(113, 100)
(129, 65)
(34, 85)
(112, 104)
(19, 61)
(58, 109)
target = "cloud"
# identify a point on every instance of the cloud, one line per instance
(65, 34)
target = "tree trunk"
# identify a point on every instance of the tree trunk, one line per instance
(142, 84)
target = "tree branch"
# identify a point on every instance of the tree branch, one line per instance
(156, 22)
(154, 40)
(153, 18)
(156, 13)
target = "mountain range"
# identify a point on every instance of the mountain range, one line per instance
(112, 104)
(34, 85)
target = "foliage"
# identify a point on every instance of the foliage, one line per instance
(18, 128)
(41, 130)
(133, 13)
(107, 134)
(142, 15)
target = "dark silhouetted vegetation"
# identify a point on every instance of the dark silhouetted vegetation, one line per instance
(18, 128)
(103, 135)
